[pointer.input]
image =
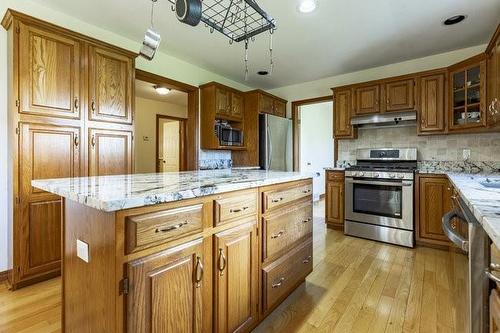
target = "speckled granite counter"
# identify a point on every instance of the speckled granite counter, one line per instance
(112, 193)
(484, 202)
(334, 169)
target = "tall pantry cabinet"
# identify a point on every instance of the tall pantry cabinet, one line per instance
(70, 115)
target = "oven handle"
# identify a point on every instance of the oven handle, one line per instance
(370, 182)
(457, 239)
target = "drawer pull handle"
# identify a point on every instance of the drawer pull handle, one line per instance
(278, 235)
(237, 210)
(199, 272)
(277, 200)
(307, 220)
(306, 191)
(278, 284)
(307, 260)
(222, 262)
(172, 227)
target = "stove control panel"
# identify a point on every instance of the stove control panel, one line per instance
(380, 174)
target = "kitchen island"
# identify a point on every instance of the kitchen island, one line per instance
(182, 252)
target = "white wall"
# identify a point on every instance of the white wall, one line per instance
(145, 126)
(316, 142)
(322, 87)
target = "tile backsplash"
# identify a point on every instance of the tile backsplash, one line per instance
(483, 147)
(215, 159)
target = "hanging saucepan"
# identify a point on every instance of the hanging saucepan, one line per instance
(188, 11)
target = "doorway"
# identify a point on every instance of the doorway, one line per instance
(169, 143)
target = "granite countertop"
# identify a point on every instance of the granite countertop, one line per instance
(483, 202)
(112, 193)
(334, 169)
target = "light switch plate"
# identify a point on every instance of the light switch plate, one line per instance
(82, 250)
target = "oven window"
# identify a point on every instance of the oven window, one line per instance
(380, 200)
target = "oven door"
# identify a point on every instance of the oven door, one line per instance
(382, 202)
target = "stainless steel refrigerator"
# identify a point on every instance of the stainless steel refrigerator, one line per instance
(275, 143)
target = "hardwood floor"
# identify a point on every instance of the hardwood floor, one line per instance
(356, 286)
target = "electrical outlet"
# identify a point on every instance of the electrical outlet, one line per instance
(82, 250)
(466, 154)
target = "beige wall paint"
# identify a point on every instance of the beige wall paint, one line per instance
(145, 127)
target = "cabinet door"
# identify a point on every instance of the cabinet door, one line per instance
(367, 99)
(335, 203)
(222, 101)
(165, 292)
(111, 78)
(110, 152)
(237, 105)
(493, 89)
(46, 151)
(279, 108)
(432, 103)
(342, 113)
(49, 73)
(236, 278)
(399, 95)
(266, 104)
(434, 202)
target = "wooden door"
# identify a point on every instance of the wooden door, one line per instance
(432, 103)
(335, 203)
(237, 105)
(399, 95)
(45, 151)
(266, 104)
(367, 99)
(434, 201)
(236, 278)
(342, 113)
(111, 79)
(169, 145)
(279, 108)
(166, 290)
(110, 152)
(222, 101)
(49, 73)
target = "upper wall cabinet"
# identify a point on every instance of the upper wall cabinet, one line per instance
(432, 95)
(342, 101)
(493, 79)
(399, 95)
(49, 73)
(270, 104)
(111, 78)
(367, 99)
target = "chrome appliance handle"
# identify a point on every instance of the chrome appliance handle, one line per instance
(370, 182)
(270, 151)
(457, 239)
(491, 276)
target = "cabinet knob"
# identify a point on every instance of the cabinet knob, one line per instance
(76, 103)
(76, 141)
(92, 106)
(92, 141)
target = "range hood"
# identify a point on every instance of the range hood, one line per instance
(390, 119)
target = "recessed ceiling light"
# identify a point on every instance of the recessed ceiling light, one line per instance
(454, 19)
(307, 6)
(161, 90)
(263, 73)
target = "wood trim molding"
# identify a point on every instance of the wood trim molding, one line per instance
(191, 135)
(491, 44)
(5, 275)
(182, 141)
(296, 126)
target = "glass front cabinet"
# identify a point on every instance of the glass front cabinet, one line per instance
(468, 95)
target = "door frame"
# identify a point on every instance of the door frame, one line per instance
(296, 127)
(191, 140)
(182, 143)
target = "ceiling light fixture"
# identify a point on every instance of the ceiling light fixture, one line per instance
(454, 19)
(307, 6)
(161, 90)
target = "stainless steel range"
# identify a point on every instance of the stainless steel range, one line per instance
(379, 195)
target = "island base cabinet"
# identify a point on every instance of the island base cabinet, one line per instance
(236, 278)
(166, 291)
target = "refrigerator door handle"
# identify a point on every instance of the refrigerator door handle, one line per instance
(270, 151)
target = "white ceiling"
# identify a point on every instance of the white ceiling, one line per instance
(339, 37)
(146, 90)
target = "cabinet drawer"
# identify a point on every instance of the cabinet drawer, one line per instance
(281, 276)
(284, 228)
(151, 229)
(277, 198)
(335, 175)
(233, 206)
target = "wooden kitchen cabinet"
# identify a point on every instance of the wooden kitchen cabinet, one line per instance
(367, 99)
(279, 108)
(222, 102)
(236, 278)
(433, 103)
(493, 80)
(342, 110)
(399, 95)
(166, 290)
(433, 201)
(49, 73)
(334, 199)
(237, 105)
(110, 152)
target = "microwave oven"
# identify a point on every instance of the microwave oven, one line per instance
(228, 136)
